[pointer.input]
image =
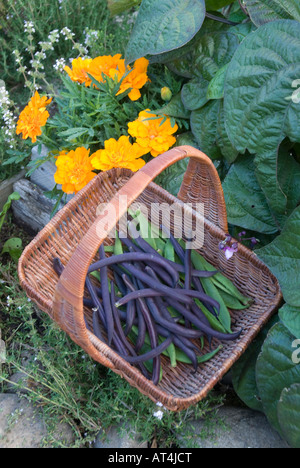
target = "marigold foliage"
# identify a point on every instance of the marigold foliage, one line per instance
(152, 133)
(119, 153)
(74, 170)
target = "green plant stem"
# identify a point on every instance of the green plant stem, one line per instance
(221, 20)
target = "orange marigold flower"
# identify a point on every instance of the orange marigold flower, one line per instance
(33, 117)
(80, 70)
(118, 153)
(104, 65)
(74, 170)
(152, 135)
(39, 102)
(114, 67)
(134, 80)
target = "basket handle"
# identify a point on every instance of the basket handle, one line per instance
(201, 183)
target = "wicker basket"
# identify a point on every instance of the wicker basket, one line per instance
(74, 236)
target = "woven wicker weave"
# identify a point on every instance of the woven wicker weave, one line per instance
(75, 235)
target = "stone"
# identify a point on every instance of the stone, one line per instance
(22, 426)
(237, 428)
(18, 383)
(6, 187)
(43, 176)
(119, 438)
(33, 210)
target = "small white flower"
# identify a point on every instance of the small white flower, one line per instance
(29, 27)
(9, 301)
(60, 65)
(67, 33)
(53, 36)
(158, 414)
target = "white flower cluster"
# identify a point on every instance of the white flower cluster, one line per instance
(38, 52)
(29, 27)
(36, 62)
(82, 50)
(159, 414)
(19, 61)
(9, 301)
(9, 128)
(67, 33)
(60, 65)
(53, 36)
(91, 36)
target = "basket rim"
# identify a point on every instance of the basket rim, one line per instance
(153, 392)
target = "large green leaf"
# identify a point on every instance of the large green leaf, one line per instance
(263, 11)
(246, 203)
(290, 317)
(13, 247)
(174, 108)
(182, 60)
(289, 415)
(215, 88)
(213, 51)
(117, 7)
(172, 177)
(247, 206)
(283, 258)
(164, 25)
(259, 113)
(244, 371)
(289, 178)
(194, 93)
(275, 370)
(13, 196)
(204, 123)
(208, 128)
(223, 141)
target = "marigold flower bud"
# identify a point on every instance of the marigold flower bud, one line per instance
(166, 94)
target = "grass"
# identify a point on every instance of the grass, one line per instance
(68, 386)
